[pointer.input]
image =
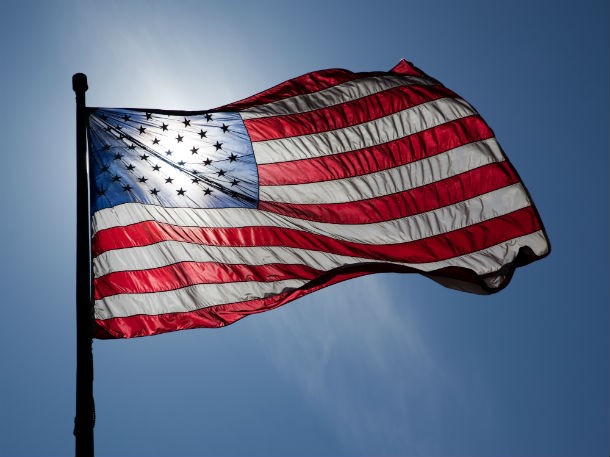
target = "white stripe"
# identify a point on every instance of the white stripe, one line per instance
(190, 298)
(390, 181)
(170, 252)
(367, 134)
(341, 93)
(441, 220)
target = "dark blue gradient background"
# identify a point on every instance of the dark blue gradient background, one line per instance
(387, 365)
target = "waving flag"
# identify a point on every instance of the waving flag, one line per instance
(202, 218)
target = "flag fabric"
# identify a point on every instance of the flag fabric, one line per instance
(202, 218)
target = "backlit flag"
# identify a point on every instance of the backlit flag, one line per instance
(202, 218)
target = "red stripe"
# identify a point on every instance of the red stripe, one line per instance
(345, 114)
(408, 149)
(305, 84)
(211, 317)
(414, 201)
(407, 68)
(438, 247)
(186, 274)
(314, 82)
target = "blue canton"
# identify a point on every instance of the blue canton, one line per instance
(194, 161)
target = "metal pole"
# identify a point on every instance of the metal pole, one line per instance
(85, 410)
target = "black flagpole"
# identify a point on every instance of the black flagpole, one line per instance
(85, 412)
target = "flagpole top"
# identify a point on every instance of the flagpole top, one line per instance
(79, 83)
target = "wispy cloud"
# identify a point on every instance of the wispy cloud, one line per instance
(356, 351)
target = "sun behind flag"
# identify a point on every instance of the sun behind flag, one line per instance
(202, 218)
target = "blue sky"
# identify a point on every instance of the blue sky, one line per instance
(391, 365)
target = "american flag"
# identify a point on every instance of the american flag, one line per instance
(202, 218)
